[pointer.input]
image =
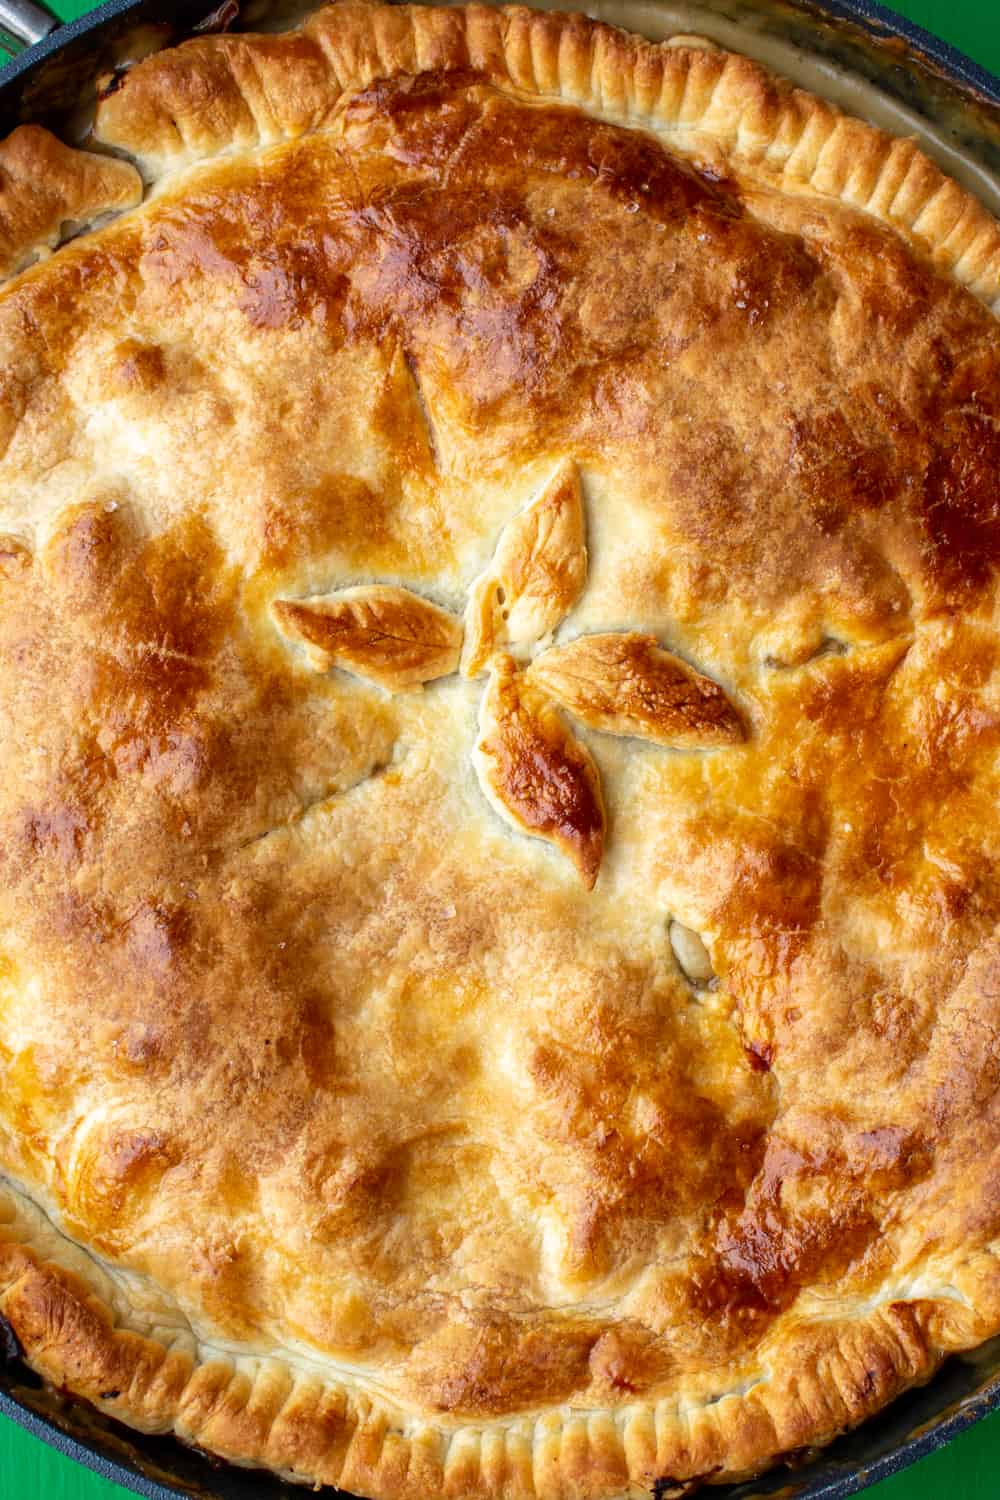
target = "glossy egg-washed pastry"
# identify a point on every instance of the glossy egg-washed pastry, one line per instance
(499, 733)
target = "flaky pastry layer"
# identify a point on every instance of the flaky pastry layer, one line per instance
(508, 492)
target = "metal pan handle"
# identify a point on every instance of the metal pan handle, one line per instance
(22, 23)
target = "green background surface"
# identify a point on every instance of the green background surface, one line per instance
(969, 1468)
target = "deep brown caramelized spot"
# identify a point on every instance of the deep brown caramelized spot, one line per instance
(962, 497)
(441, 120)
(543, 777)
(776, 1245)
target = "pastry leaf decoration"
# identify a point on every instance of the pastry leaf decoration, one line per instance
(536, 774)
(536, 576)
(628, 684)
(385, 634)
(531, 767)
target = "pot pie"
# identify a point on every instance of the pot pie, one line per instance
(499, 973)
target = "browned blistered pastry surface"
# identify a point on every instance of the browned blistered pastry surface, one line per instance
(499, 727)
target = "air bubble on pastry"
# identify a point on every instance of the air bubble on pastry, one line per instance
(692, 956)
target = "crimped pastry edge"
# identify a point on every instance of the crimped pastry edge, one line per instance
(818, 1378)
(216, 95)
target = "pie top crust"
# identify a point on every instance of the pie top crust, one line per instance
(499, 987)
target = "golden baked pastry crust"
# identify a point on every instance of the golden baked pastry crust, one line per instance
(350, 1128)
